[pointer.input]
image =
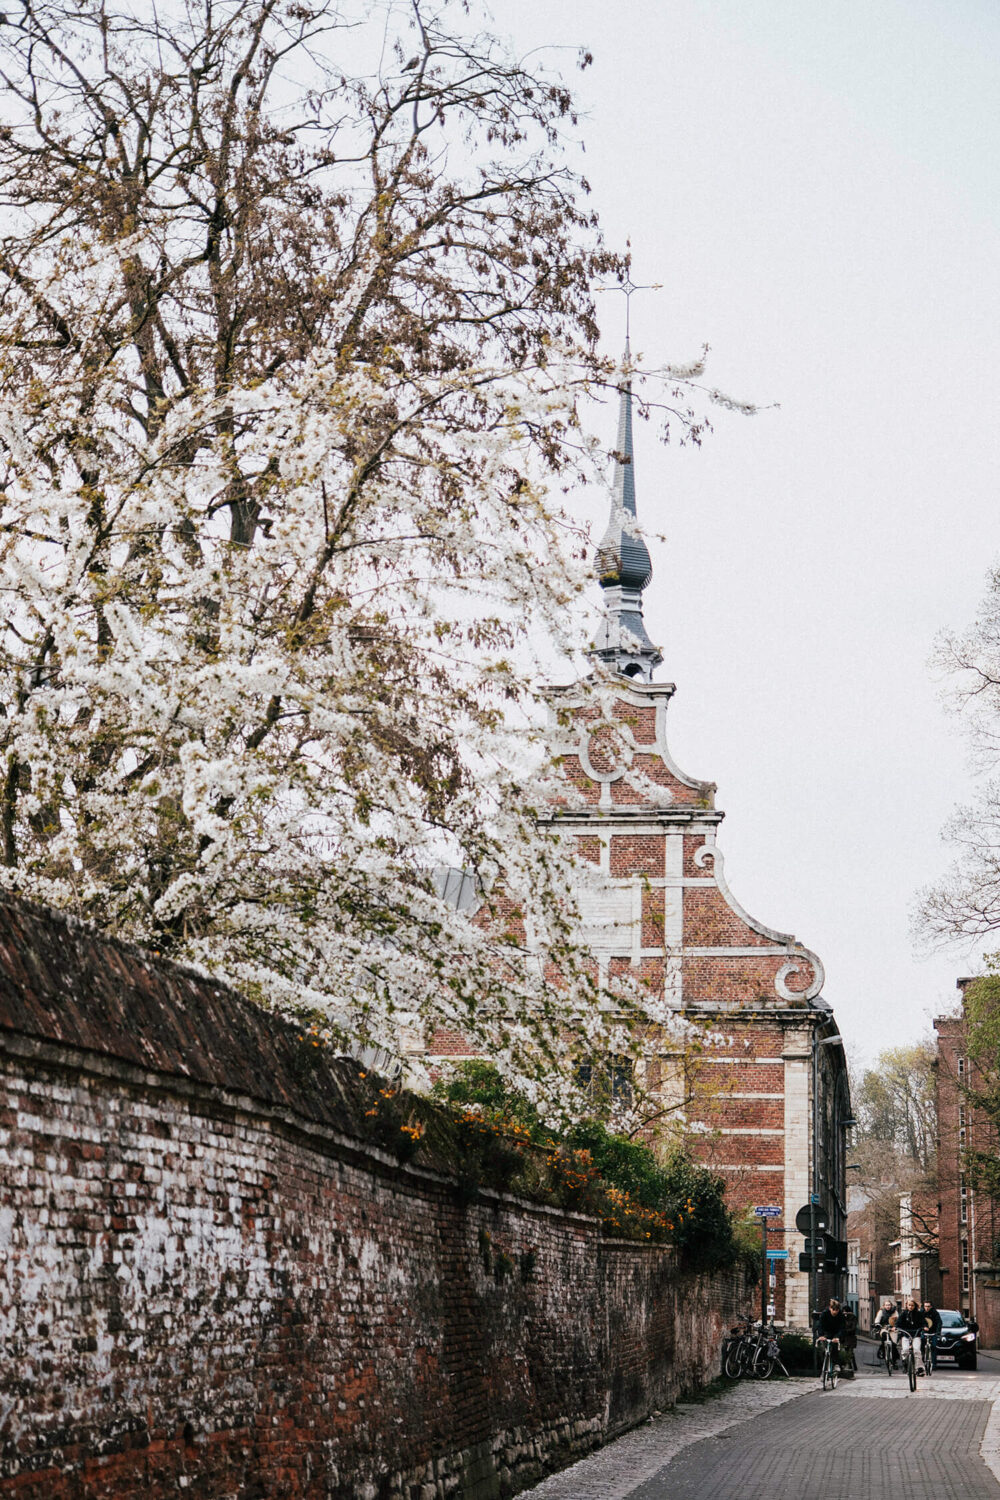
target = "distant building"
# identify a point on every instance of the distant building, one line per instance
(868, 1251)
(915, 1252)
(774, 1125)
(969, 1219)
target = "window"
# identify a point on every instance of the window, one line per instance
(610, 1082)
(965, 1265)
(961, 1069)
(963, 1193)
(961, 1114)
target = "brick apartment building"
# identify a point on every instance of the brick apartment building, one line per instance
(774, 1121)
(968, 1219)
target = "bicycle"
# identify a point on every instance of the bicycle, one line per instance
(910, 1364)
(751, 1350)
(927, 1356)
(736, 1351)
(831, 1364)
(766, 1354)
(886, 1354)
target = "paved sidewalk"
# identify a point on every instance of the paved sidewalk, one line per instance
(871, 1439)
(825, 1448)
(614, 1472)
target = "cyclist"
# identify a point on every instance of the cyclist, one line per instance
(932, 1324)
(885, 1326)
(911, 1328)
(833, 1327)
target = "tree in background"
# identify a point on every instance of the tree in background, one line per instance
(966, 902)
(895, 1103)
(982, 1041)
(295, 322)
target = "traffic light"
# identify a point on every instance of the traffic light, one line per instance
(831, 1255)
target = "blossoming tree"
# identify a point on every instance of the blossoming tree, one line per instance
(295, 315)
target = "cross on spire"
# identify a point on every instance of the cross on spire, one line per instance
(629, 288)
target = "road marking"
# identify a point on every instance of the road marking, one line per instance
(897, 1388)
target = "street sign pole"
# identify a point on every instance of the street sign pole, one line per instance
(763, 1212)
(764, 1271)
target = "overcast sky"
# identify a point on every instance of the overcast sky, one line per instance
(816, 186)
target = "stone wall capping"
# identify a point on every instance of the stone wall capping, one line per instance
(318, 1136)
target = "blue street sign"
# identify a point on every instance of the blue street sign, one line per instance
(814, 1197)
(777, 1255)
(767, 1211)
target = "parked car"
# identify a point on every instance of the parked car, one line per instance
(957, 1339)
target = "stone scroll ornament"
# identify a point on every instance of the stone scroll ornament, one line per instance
(606, 750)
(800, 960)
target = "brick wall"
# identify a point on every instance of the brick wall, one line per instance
(212, 1286)
(968, 1219)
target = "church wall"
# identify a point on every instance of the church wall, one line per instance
(641, 821)
(667, 917)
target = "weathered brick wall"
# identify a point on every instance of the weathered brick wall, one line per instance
(211, 1286)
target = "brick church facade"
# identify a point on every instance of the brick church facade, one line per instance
(663, 913)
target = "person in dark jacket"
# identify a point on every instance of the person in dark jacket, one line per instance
(833, 1326)
(911, 1328)
(932, 1325)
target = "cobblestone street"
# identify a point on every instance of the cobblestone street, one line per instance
(869, 1439)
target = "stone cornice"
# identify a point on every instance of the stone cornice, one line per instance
(673, 813)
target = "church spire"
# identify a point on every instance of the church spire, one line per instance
(623, 562)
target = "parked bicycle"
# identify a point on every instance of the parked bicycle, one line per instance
(751, 1351)
(767, 1355)
(735, 1350)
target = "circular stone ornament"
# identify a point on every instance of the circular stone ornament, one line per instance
(606, 752)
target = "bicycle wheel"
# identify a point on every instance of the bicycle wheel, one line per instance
(732, 1364)
(763, 1362)
(911, 1369)
(886, 1355)
(928, 1358)
(834, 1369)
(826, 1371)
